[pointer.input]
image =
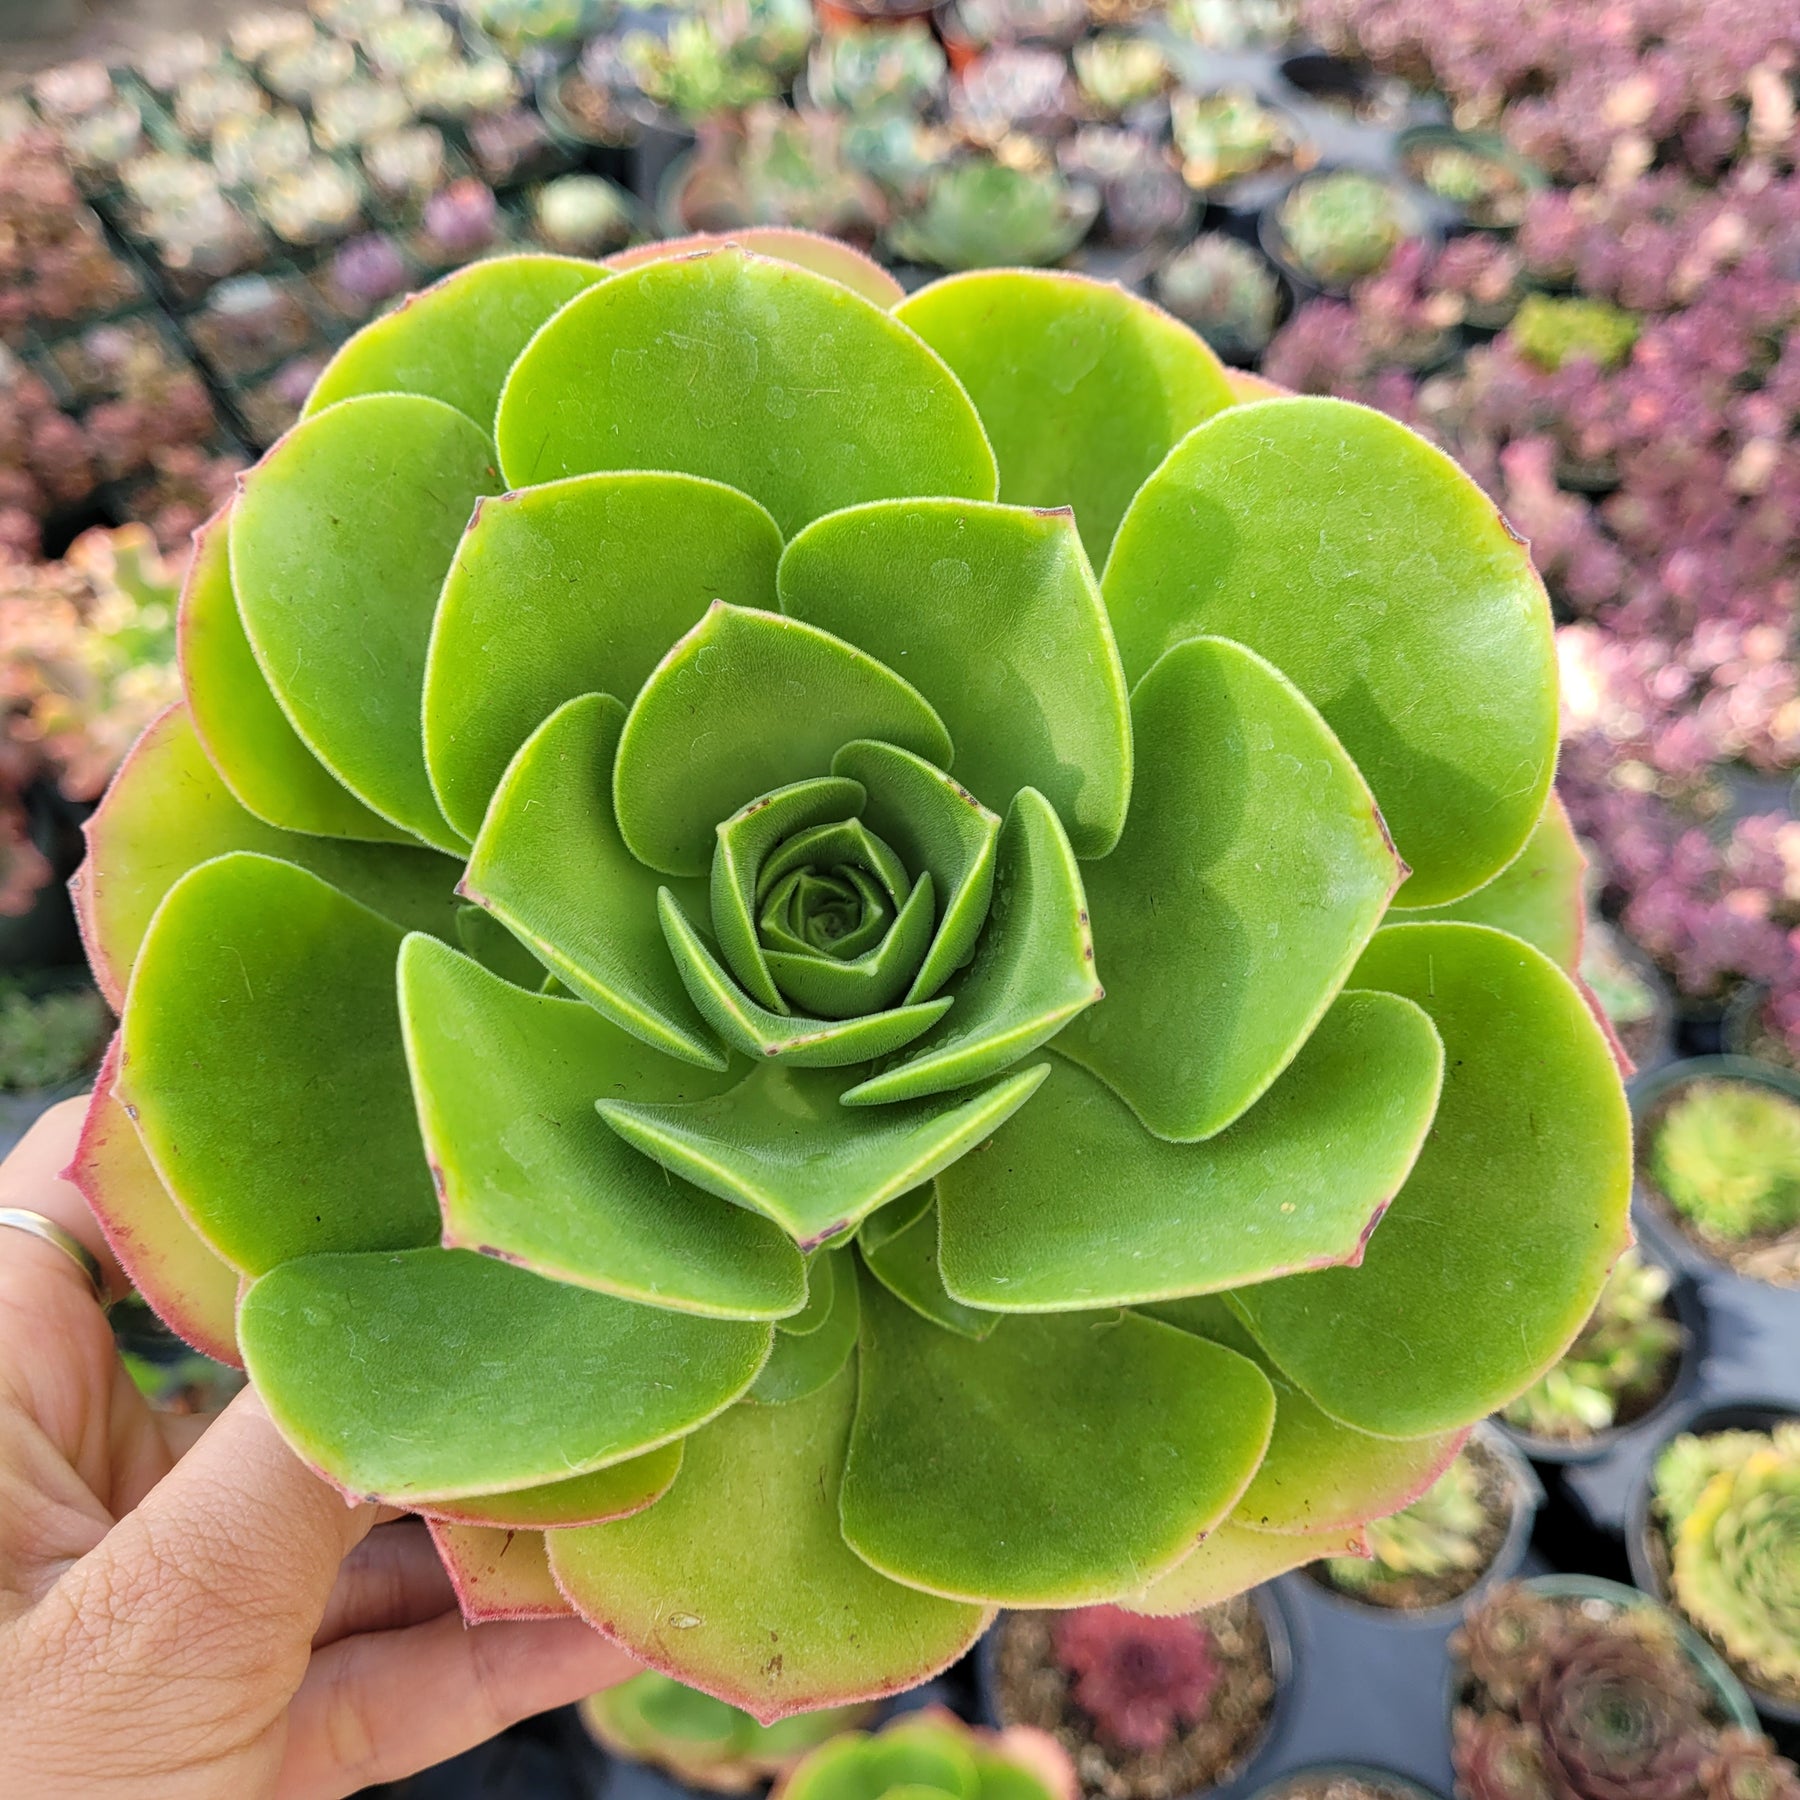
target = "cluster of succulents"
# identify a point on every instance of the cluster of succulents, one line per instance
(1594, 1699)
(1139, 1680)
(1225, 291)
(1622, 1358)
(1224, 136)
(677, 1073)
(1340, 225)
(1725, 1155)
(1729, 1505)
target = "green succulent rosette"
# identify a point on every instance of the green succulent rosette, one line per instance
(709, 1008)
(933, 1755)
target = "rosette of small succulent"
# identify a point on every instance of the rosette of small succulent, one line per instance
(709, 1007)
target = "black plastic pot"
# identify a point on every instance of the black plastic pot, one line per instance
(1641, 1531)
(1266, 1760)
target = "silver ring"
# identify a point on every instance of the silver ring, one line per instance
(20, 1219)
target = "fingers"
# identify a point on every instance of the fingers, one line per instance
(393, 1578)
(382, 1706)
(32, 1177)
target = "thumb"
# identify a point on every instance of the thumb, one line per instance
(221, 1575)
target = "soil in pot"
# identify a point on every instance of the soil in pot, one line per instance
(1433, 1552)
(1345, 1784)
(1147, 1708)
(1622, 1365)
(1718, 1162)
(1720, 1535)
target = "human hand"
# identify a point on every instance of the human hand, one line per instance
(188, 1612)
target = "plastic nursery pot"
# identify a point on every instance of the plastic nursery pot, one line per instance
(1727, 1691)
(1648, 1551)
(1345, 1781)
(1426, 153)
(1523, 1494)
(998, 1683)
(1652, 1096)
(1272, 234)
(1685, 1306)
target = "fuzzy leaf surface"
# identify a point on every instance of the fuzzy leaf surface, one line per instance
(781, 243)
(261, 1059)
(1495, 1250)
(615, 1492)
(249, 739)
(1233, 1560)
(993, 614)
(1076, 1205)
(739, 1581)
(456, 340)
(1057, 1462)
(1253, 868)
(746, 703)
(782, 1144)
(168, 811)
(1380, 580)
(799, 1366)
(758, 374)
(550, 864)
(438, 1375)
(905, 1262)
(497, 1574)
(1082, 387)
(576, 587)
(506, 1083)
(340, 540)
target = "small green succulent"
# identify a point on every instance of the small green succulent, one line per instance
(1225, 290)
(703, 1742)
(1730, 1503)
(47, 1039)
(696, 71)
(1438, 1534)
(1551, 330)
(980, 214)
(1622, 1354)
(1342, 225)
(1227, 135)
(876, 69)
(933, 1756)
(1118, 69)
(747, 1025)
(1726, 1157)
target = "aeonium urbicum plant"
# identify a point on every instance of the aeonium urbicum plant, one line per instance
(783, 1061)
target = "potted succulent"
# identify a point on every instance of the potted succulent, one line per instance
(978, 213)
(815, 1314)
(868, 71)
(363, 275)
(249, 149)
(521, 28)
(1469, 1529)
(1714, 1530)
(348, 116)
(1143, 199)
(1475, 173)
(459, 222)
(1011, 88)
(1145, 1707)
(317, 203)
(1624, 1363)
(1226, 138)
(404, 166)
(1345, 1781)
(1576, 1686)
(1120, 72)
(583, 215)
(249, 323)
(1552, 330)
(1336, 226)
(1233, 25)
(1719, 1165)
(933, 1753)
(1225, 289)
(586, 103)
(967, 27)
(706, 1743)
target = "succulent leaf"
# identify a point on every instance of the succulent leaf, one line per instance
(774, 380)
(1232, 1558)
(1078, 1206)
(1082, 387)
(355, 1357)
(802, 1363)
(1386, 587)
(781, 243)
(249, 739)
(576, 587)
(190, 1285)
(505, 1083)
(1527, 1169)
(994, 615)
(742, 1575)
(1179, 1424)
(1252, 871)
(340, 540)
(456, 341)
(257, 976)
(496, 1573)
(905, 1261)
(615, 1492)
